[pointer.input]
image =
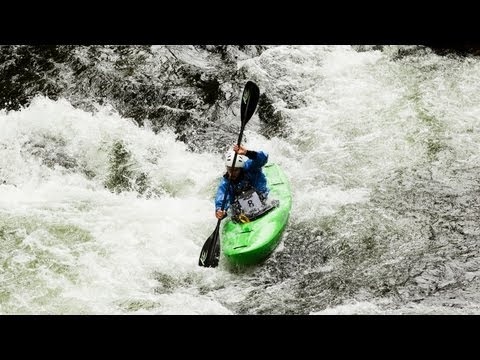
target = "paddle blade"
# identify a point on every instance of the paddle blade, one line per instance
(250, 96)
(211, 250)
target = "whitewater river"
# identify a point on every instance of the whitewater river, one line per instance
(383, 155)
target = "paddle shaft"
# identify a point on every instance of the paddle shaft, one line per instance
(211, 248)
(211, 252)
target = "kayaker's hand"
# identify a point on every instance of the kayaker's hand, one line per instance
(242, 150)
(219, 214)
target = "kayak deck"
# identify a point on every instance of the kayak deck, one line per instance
(252, 242)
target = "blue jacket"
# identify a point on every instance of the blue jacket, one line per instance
(251, 175)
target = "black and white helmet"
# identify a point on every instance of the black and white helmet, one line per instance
(239, 162)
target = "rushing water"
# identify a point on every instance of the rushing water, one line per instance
(101, 216)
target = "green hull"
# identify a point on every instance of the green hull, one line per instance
(250, 243)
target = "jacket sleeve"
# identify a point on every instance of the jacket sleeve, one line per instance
(257, 159)
(222, 188)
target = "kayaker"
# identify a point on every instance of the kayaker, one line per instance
(246, 182)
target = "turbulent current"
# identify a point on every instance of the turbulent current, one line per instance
(107, 179)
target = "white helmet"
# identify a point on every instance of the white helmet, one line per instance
(239, 162)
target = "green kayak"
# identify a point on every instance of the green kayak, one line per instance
(252, 242)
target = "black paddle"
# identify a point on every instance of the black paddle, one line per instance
(211, 249)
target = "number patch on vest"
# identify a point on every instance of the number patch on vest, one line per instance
(250, 203)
